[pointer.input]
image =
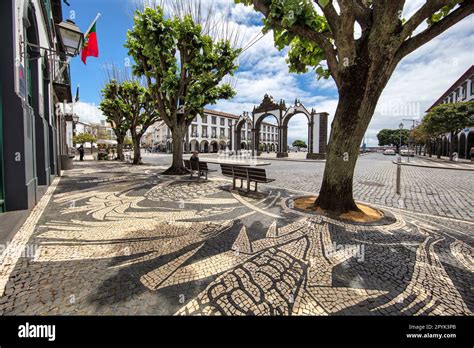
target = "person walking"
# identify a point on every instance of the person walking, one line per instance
(81, 153)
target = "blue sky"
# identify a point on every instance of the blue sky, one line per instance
(418, 81)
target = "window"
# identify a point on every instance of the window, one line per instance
(464, 91)
(194, 130)
(243, 135)
(229, 122)
(214, 120)
(222, 121)
(472, 84)
(222, 132)
(204, 131)
(204, 118)
(214, 132)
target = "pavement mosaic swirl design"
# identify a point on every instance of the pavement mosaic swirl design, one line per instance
(143, 243)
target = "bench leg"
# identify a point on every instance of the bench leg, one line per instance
(256, 189)
(233, 183)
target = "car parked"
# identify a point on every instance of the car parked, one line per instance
(389, 152)
(407, 152)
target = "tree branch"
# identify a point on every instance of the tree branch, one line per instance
(465, 9)
(421, 15)
(331, 15)
(320, 39)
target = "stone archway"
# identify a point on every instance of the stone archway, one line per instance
(470, 144)
(222, 145)
(238, 128)
(194, 145)
(257, 128)
(298, 110)
(445, 148)
(204, 146)
(214, 147)
(462, 146)
(454, 144)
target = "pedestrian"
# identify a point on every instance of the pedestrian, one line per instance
(81, 153)
(194, 162)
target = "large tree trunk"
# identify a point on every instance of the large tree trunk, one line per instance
(358, 97)
(137, 155)
(120, 155)
(336, 193)
(177, 168)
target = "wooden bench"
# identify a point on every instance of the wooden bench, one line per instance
(199, 167)
(255, 175)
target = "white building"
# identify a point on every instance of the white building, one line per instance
(461, 91)
(213, 132)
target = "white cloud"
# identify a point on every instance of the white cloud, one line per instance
(87, 112)
(417, 82)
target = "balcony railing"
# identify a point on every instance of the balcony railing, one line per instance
(61, 72)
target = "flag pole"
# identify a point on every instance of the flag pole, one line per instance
(93, 22)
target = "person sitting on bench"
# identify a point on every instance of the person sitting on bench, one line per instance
(194, 162)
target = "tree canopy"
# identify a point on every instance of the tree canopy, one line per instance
(83, 138)
(300, 144)
(318, 31)
(183, 67)
(391, 137)
(447, 118)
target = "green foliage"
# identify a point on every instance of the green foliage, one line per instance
(446, 118)
(391, 137)
(83, 138)
(303, 52)
(300, 144)
(128, 106)
(114, 107)
(183, 66)
(443, 12)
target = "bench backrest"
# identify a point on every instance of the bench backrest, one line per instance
(257, 174)
(240, 172)
(227, 170)
(203, 166)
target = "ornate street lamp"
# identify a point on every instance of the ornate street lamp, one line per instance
(71, 36)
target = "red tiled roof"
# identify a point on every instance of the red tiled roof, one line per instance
(455, 85)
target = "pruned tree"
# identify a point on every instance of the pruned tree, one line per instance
(393, 137)
(84, 138)
(184, 69)
(321, 35)
(112, 106)
(300, 144)
(449, 118)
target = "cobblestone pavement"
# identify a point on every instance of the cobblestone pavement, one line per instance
(115, 239)
(439, 192)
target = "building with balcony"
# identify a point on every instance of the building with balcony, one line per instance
(461, 91)
(211, 133)
(34, 78)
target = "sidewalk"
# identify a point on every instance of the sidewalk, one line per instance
(435, 163)
(121, 240)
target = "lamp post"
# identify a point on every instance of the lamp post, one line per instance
(410, 138)
(400, 126)
(71, 37)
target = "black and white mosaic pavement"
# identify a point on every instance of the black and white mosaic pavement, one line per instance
(122, 240)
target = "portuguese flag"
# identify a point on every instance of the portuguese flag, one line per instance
(90, 47)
